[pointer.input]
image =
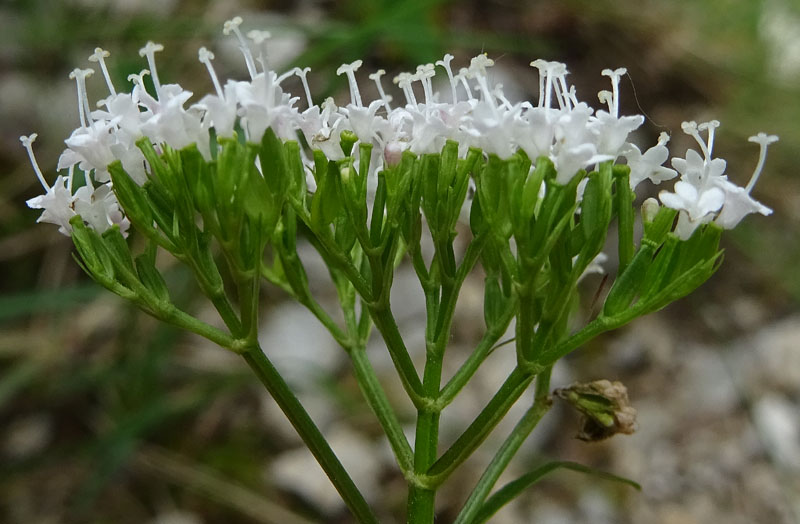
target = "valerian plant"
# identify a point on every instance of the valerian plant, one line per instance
(229, 184)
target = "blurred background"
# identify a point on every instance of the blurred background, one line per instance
(107, 416)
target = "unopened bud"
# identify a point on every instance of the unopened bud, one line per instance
(650, 209)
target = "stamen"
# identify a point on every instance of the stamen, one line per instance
(562, 81)
(541, 65)
(232, 25)
(573, 96)
(424, 74)
(80, 76)
(99, 56)
(711, 127)
(403, 80)
(281, 78)
(138, 80)
(477, 68)
(663, 138)
(26, 143)
(376, 77)
(302, 74)
(614, 75)
(205, 56)
(260, 39)
(328, 107)
(70, 173)
(463, 74)
(606, 97)
(498, 93)
(149, 50)
(690, 128)
(445, 62)
(763, 140)
(350, 70)
(559, 72)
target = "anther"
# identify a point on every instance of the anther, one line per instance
(205, 56)
(149, 50)
(99, 56)
(27, 142)
(763, 140)
(376, 77)
(232, 26)
(302, 73)
(80, 76)
(350, 70)
(260, 39)
(445, 63)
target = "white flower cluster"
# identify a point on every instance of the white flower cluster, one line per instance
(572, 134)
(704, 193)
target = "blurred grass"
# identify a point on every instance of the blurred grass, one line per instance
(114, 383)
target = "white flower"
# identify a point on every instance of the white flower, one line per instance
(99, 209)
(738, 202)
(703, 190)
(650, 164)
(57, 205)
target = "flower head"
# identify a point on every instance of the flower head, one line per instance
(569, 132)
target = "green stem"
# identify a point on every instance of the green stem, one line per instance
(384, 320)
(421, 500)
(310, 434)
(379, 403)
(516, 383)
(507, 451)
(471, 365)
(176, 317)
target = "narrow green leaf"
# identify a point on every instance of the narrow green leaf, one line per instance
(514, 488)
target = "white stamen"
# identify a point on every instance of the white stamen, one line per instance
(302, 74)
(763, 140)
(138, 80)
(205, 56)
(690, 128)
(403, 80)
(562, 81)
(283, 77)
(711, 127)
(556, 71)
(99, 56)
(663, 138)
(573, 96)
(26, 143)
(463, 74)
(149, 50)
(541, 65)
(376, 77)
(614, 75)
(260, 39)
(232, 25)
(424, 75)
(606, 97)
(70, 173)
(477, 67)
(498, 93)
(445, 62)
(350, 70)
(80, 76)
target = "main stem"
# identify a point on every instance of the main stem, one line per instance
(311, 435)
(421, 507)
